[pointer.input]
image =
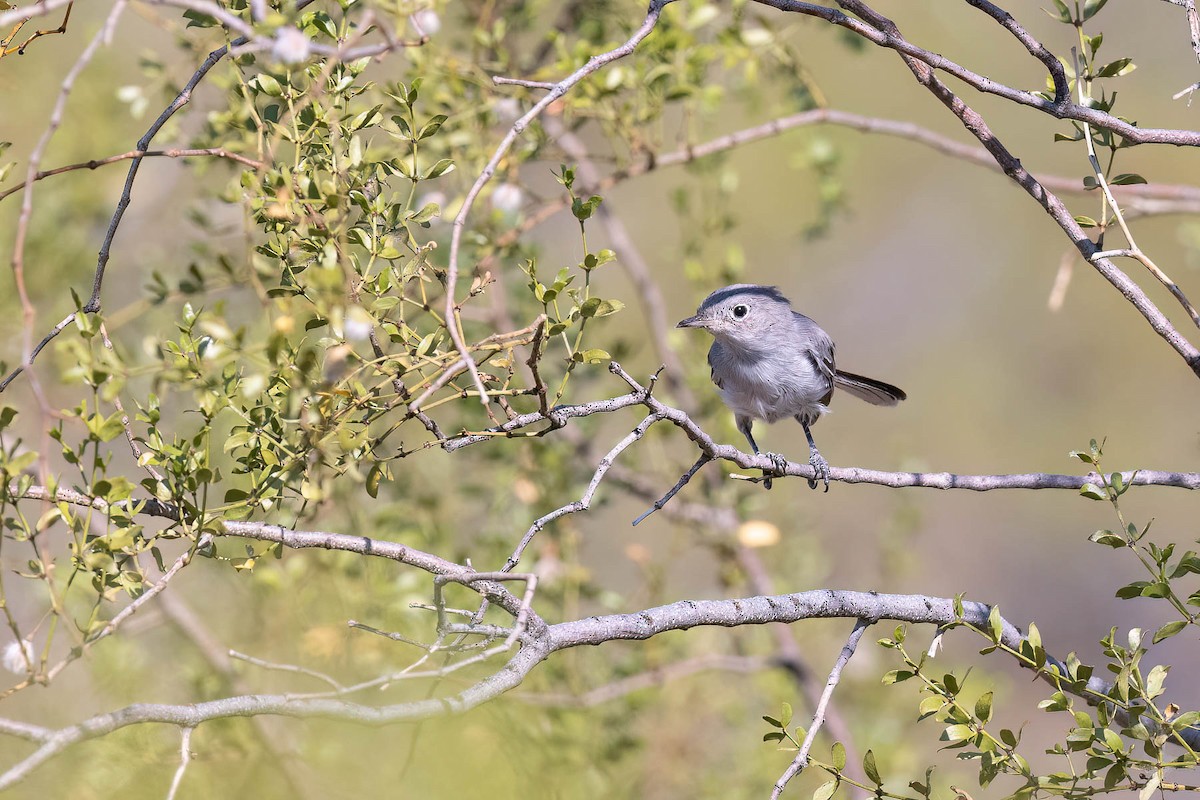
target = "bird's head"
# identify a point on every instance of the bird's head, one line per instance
(741, 314)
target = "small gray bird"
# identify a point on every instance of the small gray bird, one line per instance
(771, 362)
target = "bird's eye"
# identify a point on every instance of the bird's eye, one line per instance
(741, 311)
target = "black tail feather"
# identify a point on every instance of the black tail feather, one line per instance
(877, 393)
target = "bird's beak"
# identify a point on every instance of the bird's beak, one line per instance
(691, 322)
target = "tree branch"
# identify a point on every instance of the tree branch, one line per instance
(561, 88)
(541, 640)
(923, 70)
(1061, 107)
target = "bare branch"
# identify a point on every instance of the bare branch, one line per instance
(499, 81)
(541, 641)
(923, 70)
(215, 152)
(585, 500)
(185, 758)
(1061, 107)
(25, 730)
(295, 668)
(36, 9)
(687, 476)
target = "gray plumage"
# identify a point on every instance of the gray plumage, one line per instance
(770, 362)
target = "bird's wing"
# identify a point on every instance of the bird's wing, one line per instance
(820, 346)
(714, 353)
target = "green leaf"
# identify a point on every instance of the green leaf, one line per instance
(1093, 492)
(983, 708)
(870, 769)
(957, 733)
(1114, 69)
(1090, 9)
(1126, 179)
(374, 477)
(839, 756)
(367, 118)
(1107, 538)
(995, 624)
(1158, 589)
(1061, 12)
(427, 212)
(1169, 630)
(267, 85)
(583, 209)
(1155, 680)
(1083, 455)
(198, 20)
(431, 127)
(319, 21)
(930, 705)
(785, 717)
(595, 307)
(402, 124)
(826, 790)
(1132, 590)
(1086, 221)
(592, 356)
(439, 169)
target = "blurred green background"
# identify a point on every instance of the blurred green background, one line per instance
(934, 277)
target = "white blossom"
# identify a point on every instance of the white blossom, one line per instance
(358, 325)
(508, 198)
(13, 659)
(508, 110)
(427, 21)
(291, 46)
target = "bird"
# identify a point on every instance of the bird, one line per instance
(770, 362)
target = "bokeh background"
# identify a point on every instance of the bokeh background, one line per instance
(935, 276)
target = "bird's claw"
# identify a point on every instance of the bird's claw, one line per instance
(821, 466)
(780, 468)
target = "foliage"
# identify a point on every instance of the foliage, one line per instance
(292, 361)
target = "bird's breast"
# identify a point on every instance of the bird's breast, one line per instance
(769, 386)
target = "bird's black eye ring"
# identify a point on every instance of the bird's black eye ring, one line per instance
(740, 311)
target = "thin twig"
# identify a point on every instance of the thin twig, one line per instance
(585, 501)
(271, 665)
(129, 610)
(835, 675)
(96, 163)
(593, 64)
(869, 26)
(1134, 251)
(923, 71)
(185, 758)
(666, 498)
(499, 81)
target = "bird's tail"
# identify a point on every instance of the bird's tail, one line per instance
(877, 393)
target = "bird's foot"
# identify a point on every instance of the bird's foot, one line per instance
(821, 466)
(780, 468)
